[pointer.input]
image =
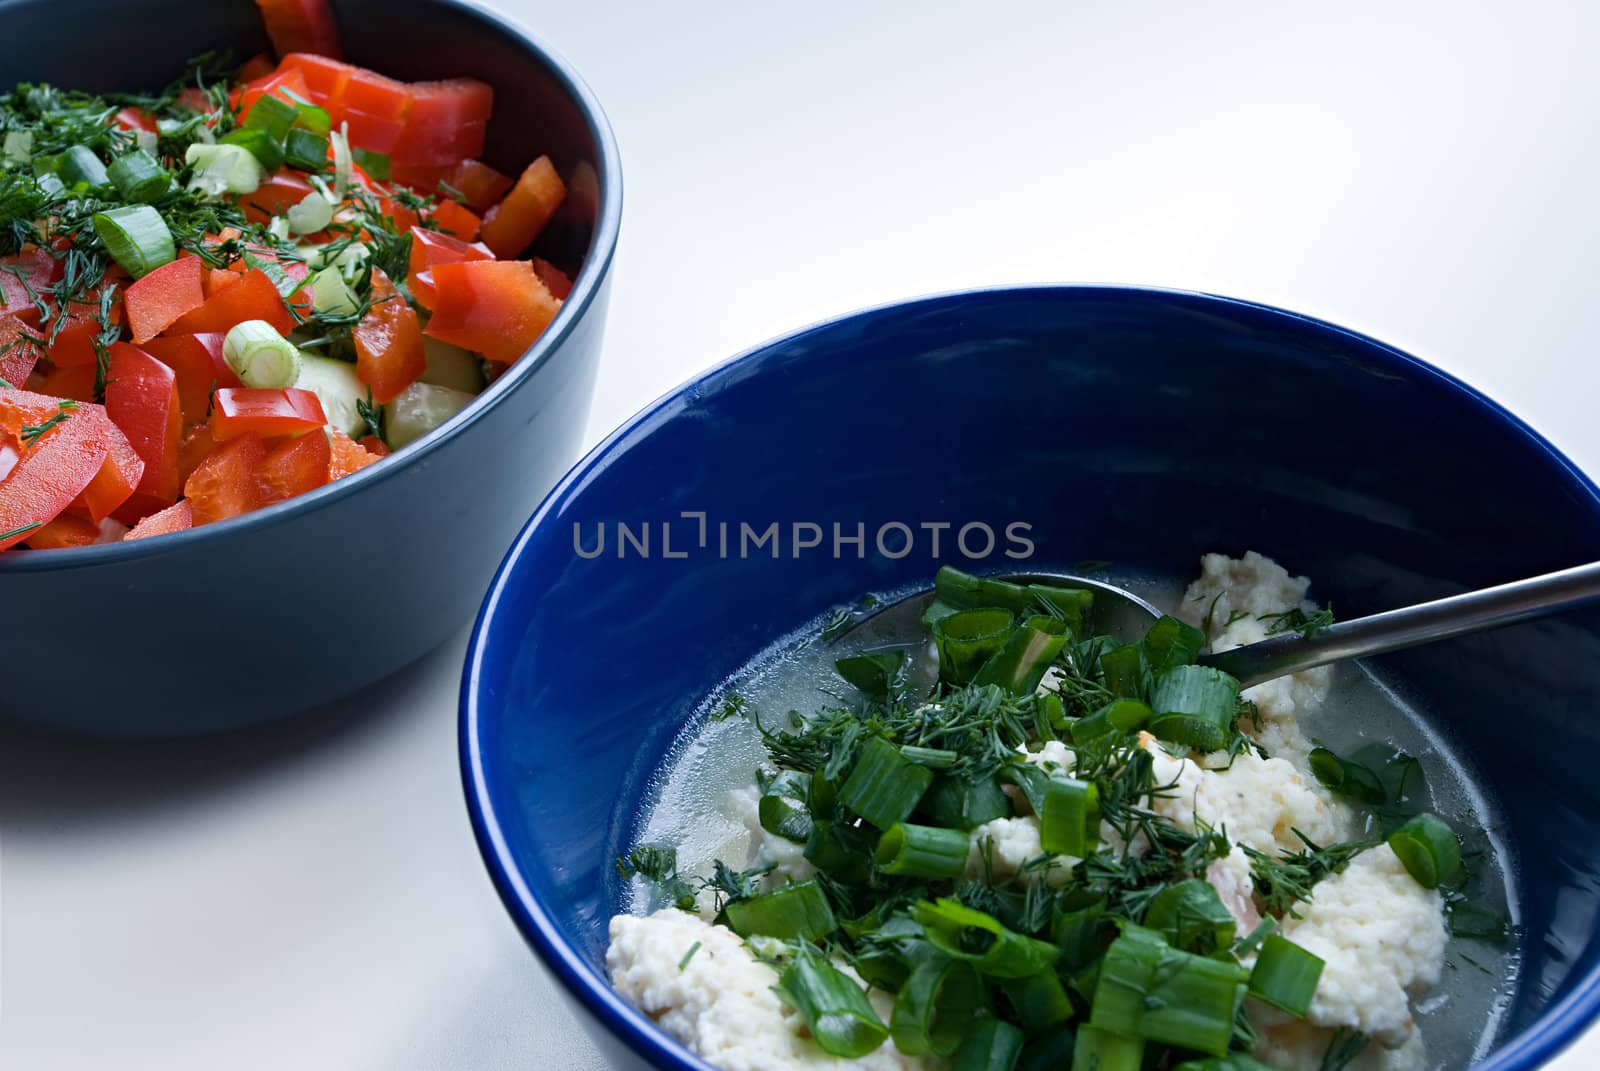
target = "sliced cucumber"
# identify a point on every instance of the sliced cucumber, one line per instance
(419, 409)
(451, 366)
(337, 387)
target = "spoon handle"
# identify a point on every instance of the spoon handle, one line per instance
(1394, 630)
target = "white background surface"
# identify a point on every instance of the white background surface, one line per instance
(311, 898)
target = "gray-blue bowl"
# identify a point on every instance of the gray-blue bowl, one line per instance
(269, 614)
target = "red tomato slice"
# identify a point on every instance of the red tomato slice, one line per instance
(348, 456)
(49, 476)
(389, 354)
(20, 347)
(253, 297)
(225, 484)
(159, 298)
(263, 411)
(294, 467)
(174, 518)
(301, 26)
(446, 122)
(495, 307)
(198, 362)
(142, 399)
(325, 79)
(281, 190)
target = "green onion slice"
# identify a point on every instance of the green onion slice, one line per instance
(267, 150)
(1194, 706)
(965, 803)
(834, 1008)
(1346, 778)
(935, 1008)
(1101, 1050)
(79, 164)
(1117, 718)
(923, 851)
(261, 357)
(993, 1045)
(1190, 915)
(1285, 975)
(1020, 664)
(977, 938)
(1040, 1000)
(884, 786)
(1149, 990)
(136, 237)
(794, 912)
(1125, 672)
(1171, 643)
(782, 807)
(305, 149)
(273, 116)
(139, 177)
(1069, 817)
(873, 674)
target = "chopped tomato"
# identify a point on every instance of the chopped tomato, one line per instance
(75, 381)
(495, 307)
(199, 366)
(325, 79)
(253, 297)
(142, 400)
(174, 518)
(446, 122)
(132, 118)
(197, 445)
(119, 474)
(282, 190)
(435, 247)
(24, 277)
(258, 66)
(301, 26)
(296, 466)
(20, 347)
(159, 298)
(225, 483)
(264, 411)
(46, 480)
(389, 354)
(554, 279)
(66, 530)
(513, 224)
(285, 85)
(347, 455)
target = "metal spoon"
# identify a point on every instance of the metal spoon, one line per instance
(1126, 616)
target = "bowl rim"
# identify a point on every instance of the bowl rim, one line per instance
(1556, 1027)
(585, 290)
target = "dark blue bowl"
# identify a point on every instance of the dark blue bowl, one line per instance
(1140, 426)
(275, 612)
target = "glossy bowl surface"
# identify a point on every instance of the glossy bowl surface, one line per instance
(1142, 427)
(278, 611)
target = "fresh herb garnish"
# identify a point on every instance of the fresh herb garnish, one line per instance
(1297, 620)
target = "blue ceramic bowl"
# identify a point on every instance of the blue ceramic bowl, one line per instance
(1140, 426)
(272, 613)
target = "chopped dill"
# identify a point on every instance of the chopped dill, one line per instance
(1297, 620)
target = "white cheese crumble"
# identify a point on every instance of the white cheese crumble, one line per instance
(719, 1000)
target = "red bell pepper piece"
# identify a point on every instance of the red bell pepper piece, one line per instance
(67, 530)
(301, 26)
(253, 297)
(198, 442)
(446, 122)
(389, 353)
(132, 118)
(263, 411)
(496, 307)
(258, 66)
(142, 399)
(435, 247)
(481, 185)
(225, 484)
(200, 368)
(296, 466)
(456, 218)
(159, 298)
(119, 474)
(76, 382)
(513, 224)
(175, 518)
(284, 84)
